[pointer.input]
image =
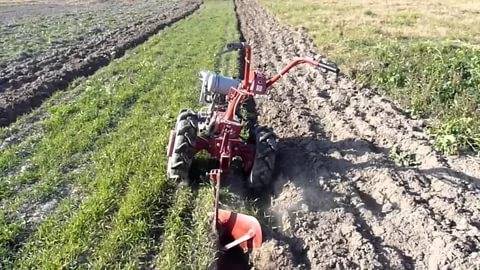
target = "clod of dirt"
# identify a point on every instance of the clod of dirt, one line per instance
(273, 255)
(339, 199)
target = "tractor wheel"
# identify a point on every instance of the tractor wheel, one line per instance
(183, 150)
(248, 116)
(264, 163)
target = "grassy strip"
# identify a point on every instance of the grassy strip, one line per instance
(202, 250)
(8, 159)
(109, 227)
(188, 246)
(20, 139)
(85, 120)
(177, 227)
(9, 230)
(177, 236)
(422, 56)
(72, 131)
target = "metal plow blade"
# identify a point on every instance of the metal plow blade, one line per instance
(243, 230)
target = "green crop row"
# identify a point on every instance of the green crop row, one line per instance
(100, 162)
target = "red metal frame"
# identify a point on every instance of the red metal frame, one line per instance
(225, 143)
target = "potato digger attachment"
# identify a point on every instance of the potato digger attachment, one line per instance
(218, 131)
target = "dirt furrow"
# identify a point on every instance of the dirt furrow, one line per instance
(357, 183)
(26, 83)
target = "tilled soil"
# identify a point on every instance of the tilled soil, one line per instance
(11, 12)
(357, 183)
(26, 82)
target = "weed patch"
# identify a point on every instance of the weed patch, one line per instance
(413, 52)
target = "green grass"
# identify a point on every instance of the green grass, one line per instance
(424, 54)
(101, 156)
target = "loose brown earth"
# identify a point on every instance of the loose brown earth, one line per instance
(25, 83)
(357, 183)
(13, 10)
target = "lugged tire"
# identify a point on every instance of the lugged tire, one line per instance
(183, 151)
(248, 116)
(264, 163)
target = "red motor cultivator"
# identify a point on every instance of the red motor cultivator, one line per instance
(218, 130)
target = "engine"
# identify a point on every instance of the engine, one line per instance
(213, 83)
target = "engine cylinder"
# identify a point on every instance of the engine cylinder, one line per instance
(213, 83)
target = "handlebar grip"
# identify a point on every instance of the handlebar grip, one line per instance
(235, 46)
(329, 67)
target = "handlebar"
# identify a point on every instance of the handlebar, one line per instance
(234, 46)
(298, 61)
(329, 67)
